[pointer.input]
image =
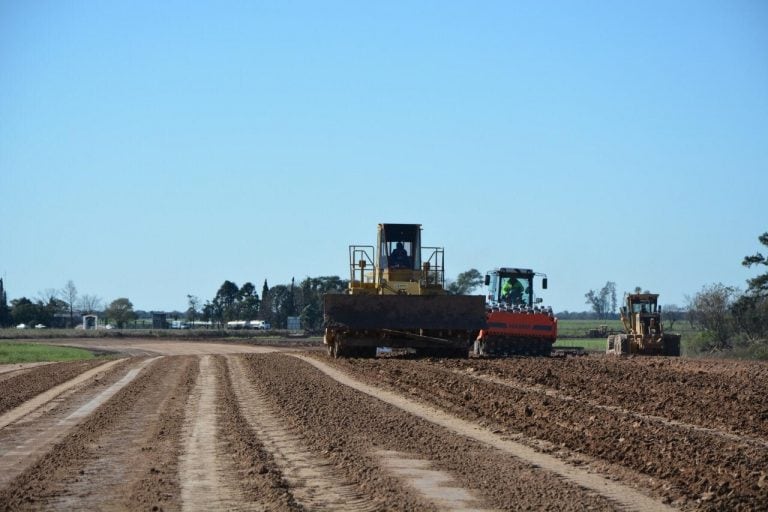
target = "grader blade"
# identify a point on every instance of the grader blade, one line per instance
(405, 312)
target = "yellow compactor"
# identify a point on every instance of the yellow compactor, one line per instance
(644, 333)
(397, 299)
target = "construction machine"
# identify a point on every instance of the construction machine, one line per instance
(517, 323)
(644, 333)
(396, 298)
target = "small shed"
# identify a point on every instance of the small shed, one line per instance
(159, 321)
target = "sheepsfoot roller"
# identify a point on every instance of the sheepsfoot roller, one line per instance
(439, 325)
(518, 323)
(396, 299)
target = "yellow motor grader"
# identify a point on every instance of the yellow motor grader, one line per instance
(644, 333)
(397, 299)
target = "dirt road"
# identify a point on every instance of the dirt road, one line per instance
(220, 426)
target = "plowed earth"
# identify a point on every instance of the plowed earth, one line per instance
(207, 426)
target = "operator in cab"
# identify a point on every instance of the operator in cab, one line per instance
(512, 291)
(399, 257)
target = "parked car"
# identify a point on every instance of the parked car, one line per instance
(21, 326)
(40, 326)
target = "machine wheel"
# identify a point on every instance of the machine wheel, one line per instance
(330, 342)
(617, 344)
(671, 345)
(621, 345)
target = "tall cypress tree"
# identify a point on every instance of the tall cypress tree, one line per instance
(5, 311)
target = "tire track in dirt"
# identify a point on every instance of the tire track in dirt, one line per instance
(209, 476)
(130, 461)
(352, 429)
(121, 456)
(615, 409)
(724, 395)
(625, 496)
(438, 487)
(45, 397)
(203, 465)
(683, 467)
(313, 481)
(35, 427)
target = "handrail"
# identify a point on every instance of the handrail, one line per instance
(361, 264)
(433, 266)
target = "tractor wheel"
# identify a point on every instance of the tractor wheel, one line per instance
(618, 344)
(330, 342)
(609, 344)
(671, 345)
(623, 345)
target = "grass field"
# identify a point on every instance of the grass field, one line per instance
(35, 353)
(588, 344)
(579, 328)
(571, 333)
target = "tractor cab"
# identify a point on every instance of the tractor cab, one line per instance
(642, 314)
(398, 264)
(400, 246)
(512, 287)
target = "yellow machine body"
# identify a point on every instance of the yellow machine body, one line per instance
(396, 298)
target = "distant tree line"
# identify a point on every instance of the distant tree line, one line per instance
(274, 306)
(730, 318)
(726, 317)
(60, 307)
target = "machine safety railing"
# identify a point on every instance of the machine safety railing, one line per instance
(433, 266)
(362, 270)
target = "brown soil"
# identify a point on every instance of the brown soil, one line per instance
(21, 386)
(349, 428)
(692, 467)
(242, 427)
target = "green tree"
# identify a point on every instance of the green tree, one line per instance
(312, 317)
(603, 302)
(311, 292)
(69, 295)
(266, 304)
(208, 312)
(193, 303)
(466, 282)
(225, 302)
(24, 311)
(248, 302)
(758, 285)
(750, 311)
(281, 303)
(672, 313)
(121, 312)
(5, 310)
(711, 309)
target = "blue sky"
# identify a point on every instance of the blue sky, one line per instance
(152, 150)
